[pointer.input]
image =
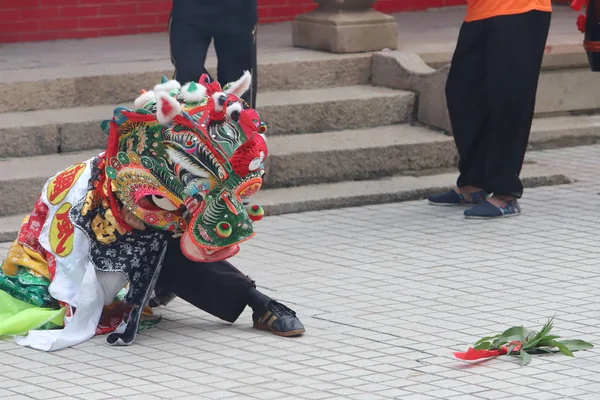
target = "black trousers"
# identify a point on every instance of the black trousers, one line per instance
(236, 53)
(218, 288)
(491, 92)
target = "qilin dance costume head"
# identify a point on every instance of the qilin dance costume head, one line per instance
(176, 166)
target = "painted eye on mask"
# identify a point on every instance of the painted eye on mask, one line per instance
(257, 162)
(223, 230)
(163, 203)
(189, 145)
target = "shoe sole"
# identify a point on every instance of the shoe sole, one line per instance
(297, 332)
(497, 217)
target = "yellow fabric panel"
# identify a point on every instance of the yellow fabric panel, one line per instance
(23, 256)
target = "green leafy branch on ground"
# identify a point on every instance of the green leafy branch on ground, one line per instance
(520, 342)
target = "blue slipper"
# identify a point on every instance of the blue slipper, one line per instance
(487, 210)
(451, 198)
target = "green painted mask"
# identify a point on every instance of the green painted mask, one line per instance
(185, 159)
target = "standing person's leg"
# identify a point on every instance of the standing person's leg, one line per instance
(518, 43)
(236, 53)
(467, 106)
(222, 290)
(189, 46)
(516, 46)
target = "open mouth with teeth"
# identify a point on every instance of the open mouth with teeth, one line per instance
(202, 254)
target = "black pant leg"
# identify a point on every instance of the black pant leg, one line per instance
(465, 97)
(236, 53)
(189, 46)
(515, 49)
(218, 288)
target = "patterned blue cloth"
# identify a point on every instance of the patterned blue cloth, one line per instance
(487, 210)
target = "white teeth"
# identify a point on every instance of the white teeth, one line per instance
(164, 203)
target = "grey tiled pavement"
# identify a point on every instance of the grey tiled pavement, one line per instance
(387, 292)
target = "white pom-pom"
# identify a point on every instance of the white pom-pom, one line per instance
(167, 86)
(166, 108)
(240, 86)
(216, 97)
(193, 93)
(232, 107)
(144, 98)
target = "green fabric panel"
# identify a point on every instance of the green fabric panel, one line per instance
(28, 288)
(18, 317)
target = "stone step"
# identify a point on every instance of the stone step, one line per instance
(9, 227)
(564, 131)
(566, 82)
(564, 88)
(333, 109)
(359, 154)
(21, 179)
(567, 90)
(96, 83)
(378, 191)
(350, 193)
(297, 160)
(294, 160)
(294, 111)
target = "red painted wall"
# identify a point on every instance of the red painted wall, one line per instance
(390, 6)
(38, 20)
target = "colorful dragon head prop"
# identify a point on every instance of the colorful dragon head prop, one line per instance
(184, 159)
(179, 165)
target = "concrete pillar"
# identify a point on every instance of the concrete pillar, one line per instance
(345, 26)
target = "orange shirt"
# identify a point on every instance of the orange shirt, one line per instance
(481, 9)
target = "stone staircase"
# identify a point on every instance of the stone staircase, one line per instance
(335, 140)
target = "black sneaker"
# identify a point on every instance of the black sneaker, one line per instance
(278, 319)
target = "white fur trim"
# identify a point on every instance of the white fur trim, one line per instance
(240, 86)
(215, 97)
(193, 97)
(144, 98)
(167, 86)
(162, 118)
(234, 107)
